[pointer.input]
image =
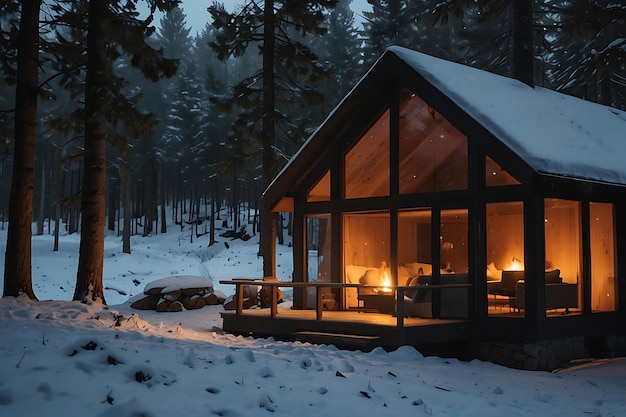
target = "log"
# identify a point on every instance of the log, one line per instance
(194, 291)
(162, 305)
(154, 291)
(175, 307)
(149, 302)
(193, 302)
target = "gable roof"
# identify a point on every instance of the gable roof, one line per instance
(554, 133)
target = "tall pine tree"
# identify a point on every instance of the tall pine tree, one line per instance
(17, 265)
(288, 73)
(112, 31)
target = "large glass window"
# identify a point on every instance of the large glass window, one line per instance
(505, 258)
(414, 245)
(495, 175)
(318, 256)
(433, 153)
(603, 266)
(366, 251)
(321, 190)
(563, 256)
(453, 241)
(318, 247)
(366, 165)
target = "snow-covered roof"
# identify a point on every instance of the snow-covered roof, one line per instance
(553, 132)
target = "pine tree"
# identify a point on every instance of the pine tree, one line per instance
(390, 22)
(341, 48)
(590, 51)
(112, 32)
(17, 266)
(288, 72)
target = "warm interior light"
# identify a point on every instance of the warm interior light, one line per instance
(385, 281)
(516, 265)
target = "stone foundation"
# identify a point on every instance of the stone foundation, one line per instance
(548, 355)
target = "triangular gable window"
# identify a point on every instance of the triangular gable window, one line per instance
(433, 153)
(496, 176)
(321, 190)
(366, 165)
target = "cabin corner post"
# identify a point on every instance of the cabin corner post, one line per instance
(534, 254)
(299, 252)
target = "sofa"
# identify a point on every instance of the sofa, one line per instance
(559, 294)
(453, 301)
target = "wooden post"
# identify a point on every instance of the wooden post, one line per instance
(319, 305)
(273, 300)
(400, 308)
(239, 298)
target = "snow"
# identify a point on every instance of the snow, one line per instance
(553, 132)
(178, 282)
(60, 357)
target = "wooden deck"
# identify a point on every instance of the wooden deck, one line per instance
(346, 329)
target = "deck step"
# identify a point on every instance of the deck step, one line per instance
(341, 340)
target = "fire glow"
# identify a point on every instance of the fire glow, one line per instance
(385, 283)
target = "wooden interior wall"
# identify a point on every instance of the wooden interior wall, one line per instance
(603, 265)
(563, 238)
(366, 165)
(366, 239)
(505, 234)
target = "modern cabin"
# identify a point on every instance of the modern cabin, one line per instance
(503, 204)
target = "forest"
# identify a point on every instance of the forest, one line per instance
(108, 114)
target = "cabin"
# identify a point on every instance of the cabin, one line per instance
(489, 214)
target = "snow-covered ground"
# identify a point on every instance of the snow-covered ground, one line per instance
(64, 358)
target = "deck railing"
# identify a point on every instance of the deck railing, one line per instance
(273, 285)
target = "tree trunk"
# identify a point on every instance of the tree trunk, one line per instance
(162, 193)
(523, 54)
(279, 229)
(124, 171)
(17, 263)
(58, 181)
(112, 203)
(268, 219)
(212, 217)
(42, 200)
(91, 253)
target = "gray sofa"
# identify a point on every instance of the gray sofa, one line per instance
(453, 301)
(558, 293)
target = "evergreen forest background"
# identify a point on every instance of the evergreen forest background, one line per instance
(183, 116)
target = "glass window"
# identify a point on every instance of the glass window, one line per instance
(366, 165)
(505, 258)
(321, 190)
(453, 241)
(433, 153)
(318, 247)
(366, 251)
(414, 244)
(563, 256)
(495, 175)
(603, 265)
